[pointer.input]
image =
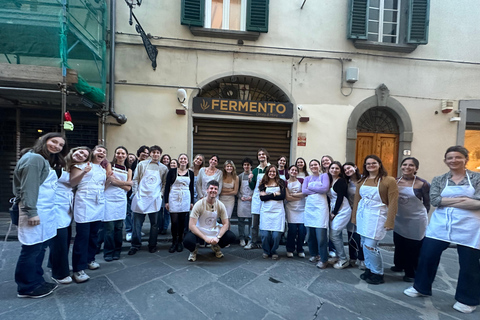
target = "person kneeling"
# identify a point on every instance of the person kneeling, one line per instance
(204, 226)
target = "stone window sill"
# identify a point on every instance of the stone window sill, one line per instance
(224, 34)
(392, 47)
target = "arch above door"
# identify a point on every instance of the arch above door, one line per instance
(383, 99)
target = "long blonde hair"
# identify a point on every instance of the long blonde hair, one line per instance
(69, 159)
(234, 172)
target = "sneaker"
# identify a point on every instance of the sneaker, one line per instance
(218, 253)
(249, 245)
(42, 291)
(408, 279)
(193, 255)
(128, 237)
(289, 254)
(264, 255)
(463, 308)
(275, 257)
(242, 243)
(366, 274)
(108, 258)
(66, 280)
(314, 259)
(80, 276)
(341, 264)
(412, 292)
(321, 265)
(375, 279)
(332, 260)
(353, 262)
(93, 265)
(152, 249)
(396, 269)
(173, 248)
(361, 265)
(301, 254)
(132, 251)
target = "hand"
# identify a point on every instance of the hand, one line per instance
(34, 221)
(212, 240)
(191, 206)
(250, 176)
(388, 229)
(87, 168)
(263, 193)
(332, 216)
(167, 207)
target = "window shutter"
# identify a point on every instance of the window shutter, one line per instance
(257, 15)
(193, 12)
(418, 20)
(358, 19)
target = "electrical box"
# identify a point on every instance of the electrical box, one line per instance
(351, 75)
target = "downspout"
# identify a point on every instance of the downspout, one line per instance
(121, 118)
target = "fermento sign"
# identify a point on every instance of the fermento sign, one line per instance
(243, 108)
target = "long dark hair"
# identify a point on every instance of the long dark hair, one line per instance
(304, 170)
(357, 174)
(342, 172)
(381, 171)
(57, 160)
(125, 162)
(277, 179)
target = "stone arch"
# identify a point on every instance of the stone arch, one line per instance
(381, 98)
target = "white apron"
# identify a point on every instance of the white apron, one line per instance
(244, 208)
(411, 219)
(295, 209)
(228, 201)
(179, 197)
(89, 202)
(344, 214)
(455, 225)
(148, 198)
(64, 201)
(272, 213)
(352, 188)
(207, 222)
(195, 194)
(371, 213)
(256, 202)
(316, 209)
(47, 229)
(116, 198)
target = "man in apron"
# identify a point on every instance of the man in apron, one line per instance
(148, 184)
(203, 224)
(255, 177)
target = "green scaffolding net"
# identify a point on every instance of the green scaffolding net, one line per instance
(58, 33)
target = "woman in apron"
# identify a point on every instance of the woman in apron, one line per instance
(411, 220)
(302, 169)
(230, 186)
(295, 208)
(244, 204)
(272, 213)
(355, 250)
(164, 216)
(34, 184)
(374, 209)
(340, 214)
(198, 163)
(179, 199)
(455, 220)
(88, 211)
(60, 244)
(119, 182)
(209, 173)
(316, 217)
(282, 168)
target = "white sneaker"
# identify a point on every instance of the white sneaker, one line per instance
(463, 308)
(332, 254)
(66, 280)
(249, 245)
(289, 254)
(341, 264)
(193, 256)
(128, 237)
(314, 259)
(301, 254)
(332, 260)
(80, 276)
(412, 292)
(242, 243)
(93, 265)
(361, 265)
(218, 253)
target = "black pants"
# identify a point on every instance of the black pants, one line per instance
(178, 225)
(355, 249)
(58, 257)
(191, 240)
(406, 254)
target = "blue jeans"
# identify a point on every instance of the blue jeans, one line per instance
(85, 244)
(270, 241)
(318, 243)
(128, 218)
(138, 219)
(373, 257)
(336, 236)
(58, 257)
(113, 238)
(295, 237)
(242, 223)
(29, 271)
(468, 286)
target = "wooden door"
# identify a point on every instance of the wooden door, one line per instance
(384, 145)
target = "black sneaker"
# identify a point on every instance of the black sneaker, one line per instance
(179, 247)
(173, 248)
(366, 274)
(396, 269)
(42, 291)
(375, 279)
(132, 251)
(152, 249)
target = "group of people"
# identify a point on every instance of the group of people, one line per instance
(315, 205)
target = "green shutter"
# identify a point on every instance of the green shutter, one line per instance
(257, 15)
(418, 20)
(358, 19)
(193, 12)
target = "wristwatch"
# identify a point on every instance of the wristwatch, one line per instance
(218, 237)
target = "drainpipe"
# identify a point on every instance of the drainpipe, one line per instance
(121, 118)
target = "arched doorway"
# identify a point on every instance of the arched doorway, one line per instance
(379, 125)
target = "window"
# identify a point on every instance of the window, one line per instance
(238, 19)
(391, 25)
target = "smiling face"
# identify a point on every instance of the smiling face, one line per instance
(349, 170)
(213, 162)
(272, 173)
(183, 161)
(261, 156)
(166, 160)
(455, 161)
(326, 162)
(55, 145)
(155, 155)
(408, 168)
(120, 155)
(293, 171)
(372, 166)
(229, 168)
(143, 155)
(173, 164)
(314, 167)
(99, 154)
(198, 161)
(334, 170)
(131, 159)
(247, 167)
(80, 156)
(212, 192)
(282, 162)
(300, 164)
